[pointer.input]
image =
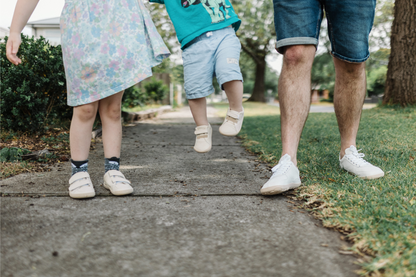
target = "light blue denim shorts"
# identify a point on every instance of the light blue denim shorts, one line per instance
(349, 25)
(215, 53)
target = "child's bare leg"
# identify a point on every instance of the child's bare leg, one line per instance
(110, 114)
(80, 133)
(199, 110)
(235, 115)
(234, 91)
(203, 130)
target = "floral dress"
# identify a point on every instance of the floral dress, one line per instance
(108, 46)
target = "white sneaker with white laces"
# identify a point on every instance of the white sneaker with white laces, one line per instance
(203, 140)
(232, 123)
(285, 177)
(115, 181)
(354, 163)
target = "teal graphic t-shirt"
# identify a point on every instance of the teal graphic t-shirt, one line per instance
(192, 18)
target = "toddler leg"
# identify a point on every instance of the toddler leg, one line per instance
(235, 114)
(234, 91)
(81, 127)
(203, 130)
(110, 113)
(80, 185)
(199, 110)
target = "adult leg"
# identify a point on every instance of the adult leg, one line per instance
(80, 132)
(350, 88)
(199, 110)
(110, 114)
(234, 91)
(294, 92)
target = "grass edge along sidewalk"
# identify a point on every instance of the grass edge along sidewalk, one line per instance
(377, 216)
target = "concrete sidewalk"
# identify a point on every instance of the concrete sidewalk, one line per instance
(190, 215)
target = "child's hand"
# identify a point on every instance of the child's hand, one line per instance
(12, 47)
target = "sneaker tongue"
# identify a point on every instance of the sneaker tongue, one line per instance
(284, 159)
(351, 150)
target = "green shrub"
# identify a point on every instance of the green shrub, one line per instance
(33, 94)
(12, 154)
(133, 97)
(154, 91)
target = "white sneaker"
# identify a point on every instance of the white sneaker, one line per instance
(115, 181)
(232, 123)
(203, 140)
(354, 163)
(80, 186)
(285, 177)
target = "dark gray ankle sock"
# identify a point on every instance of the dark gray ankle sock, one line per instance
(112, 163)
(79, 166)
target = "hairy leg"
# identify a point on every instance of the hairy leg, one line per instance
(350, 89)
(234, 91)
(199, 110)
(110, 114)
(295, 95)
(80, 132)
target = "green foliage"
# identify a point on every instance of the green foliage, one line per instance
(376, 81)
(156, 90)
(323, 73)
(12, 154)
(153, 91)
(33, 94)
(133, 97)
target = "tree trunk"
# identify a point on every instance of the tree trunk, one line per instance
(401, 74)
(258, 90)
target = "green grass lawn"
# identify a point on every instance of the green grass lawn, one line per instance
(379, 216)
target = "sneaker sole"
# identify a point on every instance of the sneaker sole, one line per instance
(373, 176)
(82, 195)
(205, 151)
(229, 135)
(277, 189)
(119, 193)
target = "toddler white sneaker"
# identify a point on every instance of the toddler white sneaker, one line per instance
(115, 181)
(232, 123)
(285, 177)
(203, 140)
(80, 186)
(354, 163)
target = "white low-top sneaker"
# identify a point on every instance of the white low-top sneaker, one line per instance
(203, 140)
(285, 177)
(232, 123)
(80, 186)
(354, 163)
(115, 181)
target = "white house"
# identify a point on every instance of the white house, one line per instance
(47, 28)
(4, 32)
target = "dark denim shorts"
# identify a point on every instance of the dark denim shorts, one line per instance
(349, 24)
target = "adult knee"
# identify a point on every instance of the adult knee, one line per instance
(299, 54)
(86, 112)
(349, 68)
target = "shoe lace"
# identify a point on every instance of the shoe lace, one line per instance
(357, 158)
(280, 168)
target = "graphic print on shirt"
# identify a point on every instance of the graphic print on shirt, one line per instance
(213, 8)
